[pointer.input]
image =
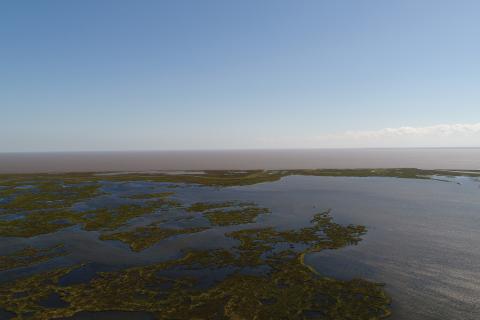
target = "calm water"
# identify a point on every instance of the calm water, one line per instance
(241, 159)
(422, 241)
(423, 238)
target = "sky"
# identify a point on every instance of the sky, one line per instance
(163, 75)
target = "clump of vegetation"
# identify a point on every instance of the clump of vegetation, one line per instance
(140, 238)
(288, 289)
(49, 195)
(223, 178)
(229, 212)
(36, 223)
(227, 178)
(143, 237)
(110, 219)
(323, 234)
(43, 207)
(151, 195)
(205, 206)
(45, 222)
(29, 256)
(7, 191)
(42, 216)
(235, 216)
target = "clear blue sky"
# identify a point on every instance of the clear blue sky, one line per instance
(124, 75)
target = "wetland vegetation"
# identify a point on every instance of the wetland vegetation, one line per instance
(263, 275)
(283, 288)
(228, 213)
(143, 237)
(29, 256)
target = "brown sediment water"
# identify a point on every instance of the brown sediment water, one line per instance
(426, 158)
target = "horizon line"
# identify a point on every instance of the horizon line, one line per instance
(231, 149)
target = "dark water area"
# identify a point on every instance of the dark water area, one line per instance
(428, 158)
(4, 314)
(422, 241)
(83, 274)
(53, 301)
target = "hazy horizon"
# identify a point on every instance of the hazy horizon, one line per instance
(273, 159)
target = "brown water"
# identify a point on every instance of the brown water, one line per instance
(428, 158)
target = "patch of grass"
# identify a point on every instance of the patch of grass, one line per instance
(49, 195)
(110, 219)
(144, 237)
(225, 178)
(235, 216)
(29, 256)
(151, 195)
(235, 178)
(204, 206)
(47, 221)
(36, 223)
(229, 212)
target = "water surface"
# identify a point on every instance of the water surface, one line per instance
(428, 158)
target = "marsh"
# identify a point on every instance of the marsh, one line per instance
(399, 243)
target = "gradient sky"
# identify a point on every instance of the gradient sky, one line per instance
(129, 75)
